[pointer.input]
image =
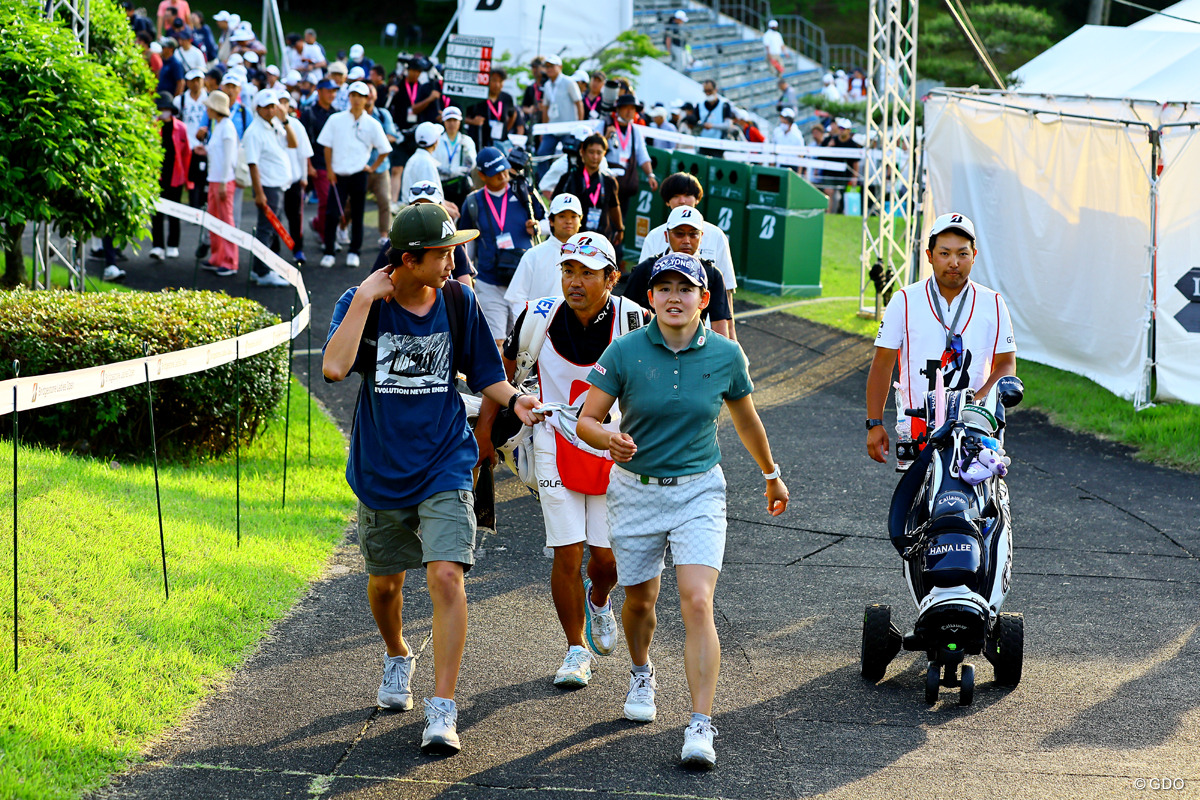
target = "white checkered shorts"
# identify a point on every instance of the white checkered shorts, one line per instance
(644, 518)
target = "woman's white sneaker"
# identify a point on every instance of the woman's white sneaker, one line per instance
(639, 703)
(698, 752)
(601, 628)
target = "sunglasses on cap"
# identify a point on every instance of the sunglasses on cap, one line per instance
(586, 250)
(420, 190)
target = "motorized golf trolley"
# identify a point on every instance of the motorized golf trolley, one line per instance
(951, 524)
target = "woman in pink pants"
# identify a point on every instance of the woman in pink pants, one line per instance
(222, 159)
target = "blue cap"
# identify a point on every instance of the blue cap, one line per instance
(325, 83)
(686, 265)
(491, 161)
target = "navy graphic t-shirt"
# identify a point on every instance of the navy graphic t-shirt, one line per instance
(411, 439)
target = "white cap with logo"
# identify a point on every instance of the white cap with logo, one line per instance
(685, 215)
(590, 249)
(953, 222)
(424, 190)
(565, 202)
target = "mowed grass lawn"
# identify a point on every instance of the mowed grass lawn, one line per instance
(106, 663)
(1167, 434)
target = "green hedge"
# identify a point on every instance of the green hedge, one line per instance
(194, 415)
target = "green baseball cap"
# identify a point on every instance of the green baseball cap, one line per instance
(424, 225)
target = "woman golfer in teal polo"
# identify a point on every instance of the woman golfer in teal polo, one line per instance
(671, 378)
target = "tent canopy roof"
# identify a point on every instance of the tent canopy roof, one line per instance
(1100, 61)
(1187, 9)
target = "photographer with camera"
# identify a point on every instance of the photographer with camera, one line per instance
(597, 192)
(561, 101)
(506, 218)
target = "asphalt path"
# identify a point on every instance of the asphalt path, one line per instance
(1105, 571)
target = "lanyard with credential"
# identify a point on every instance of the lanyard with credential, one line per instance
(496, 110)
(593, 196)
(503, 213)
(951, 353)
(412, 94)
(623, 141)
(450, 154)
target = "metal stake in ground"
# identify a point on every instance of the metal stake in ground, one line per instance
(287, 407)
(237, 426)
(308, 368)
(16, 660)
(162, 542)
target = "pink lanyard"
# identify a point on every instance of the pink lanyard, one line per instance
(623, 141)
(412, 94)
(497, 110)
(498, 216)
(587, 185)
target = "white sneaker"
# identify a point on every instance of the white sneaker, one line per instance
(639, 703)
(601, 627)
(327, 261)
(157, 252)
(441, 727)
(395, 692)
(395, 207)
(272, 278)
(113, 273)
(698, 752)
(352, 259)
(576, 669)
(172, 252)
(343, 236)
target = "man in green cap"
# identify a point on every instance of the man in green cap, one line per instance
(408, 329)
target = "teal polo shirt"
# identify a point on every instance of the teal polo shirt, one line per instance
(670, 401)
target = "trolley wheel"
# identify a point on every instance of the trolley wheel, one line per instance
(1006, 648)
(933, 680)
(880, 641)
(966, 685)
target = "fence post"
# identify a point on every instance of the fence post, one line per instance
(162, 542)
(287, 408)
(237, 427)
(16, 659)
(308, 367)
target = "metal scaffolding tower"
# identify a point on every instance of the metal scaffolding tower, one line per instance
(77, 14)
(889, 185)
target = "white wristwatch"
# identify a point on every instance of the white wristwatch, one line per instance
(770, 476)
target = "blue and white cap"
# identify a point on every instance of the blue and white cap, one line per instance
(686, 265)
(491, 161)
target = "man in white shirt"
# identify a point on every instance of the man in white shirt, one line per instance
(561, 102)
(829, 89)
(658, 120)
(191, 56)
(786, 131)
(271, 171)
(423, 164)
(193, 110)
(293, 198)
(338, 73)
(538, 274)
(773, 43)
(683, 189)
(348, 138)
(944, 323)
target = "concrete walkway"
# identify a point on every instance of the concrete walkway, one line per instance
(1105, 572)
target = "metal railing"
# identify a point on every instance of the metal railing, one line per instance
(848, 57)
(800, 34)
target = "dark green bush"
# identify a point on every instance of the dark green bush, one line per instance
(194, 415)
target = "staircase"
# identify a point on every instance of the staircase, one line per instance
(726, 42)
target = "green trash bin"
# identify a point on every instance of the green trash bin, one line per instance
(696, 165)
(785, 222)
(726, 190)
(649, 211)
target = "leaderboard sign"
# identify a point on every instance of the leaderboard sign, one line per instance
(468, 65)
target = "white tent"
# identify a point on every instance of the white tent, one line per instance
(1146, 64)
(1088, 223)
(1175, 18)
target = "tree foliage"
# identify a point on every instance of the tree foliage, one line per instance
(79, 146)
(618, 58)
(1011, 34)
